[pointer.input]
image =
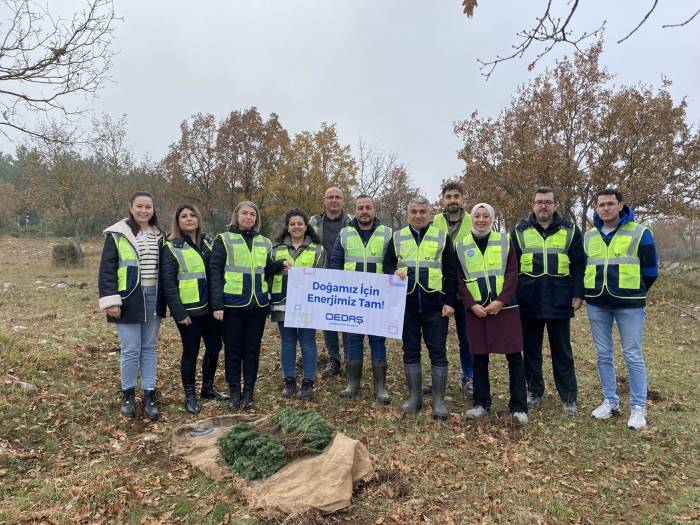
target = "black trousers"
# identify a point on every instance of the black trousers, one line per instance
(202, 327)
(558, 331)
(242, 331)
(516, 373)
(433, 328)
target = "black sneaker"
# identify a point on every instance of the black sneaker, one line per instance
(533, 400)
(290, 387)
(306, 392)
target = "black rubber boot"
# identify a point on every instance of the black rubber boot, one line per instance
(248, 397)
(234, 402)
(414, 378)
(439, 377)
(354, 370)
(290, 387)
(379, 380)
(306, 392)
(150, 408)
(191, 400)
(332, 368)
(128, 402)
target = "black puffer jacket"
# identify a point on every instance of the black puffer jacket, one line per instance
(167, 278)
(133, 308)
(548, 297)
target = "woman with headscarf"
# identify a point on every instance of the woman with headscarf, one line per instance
(488, 279)
(241, 264)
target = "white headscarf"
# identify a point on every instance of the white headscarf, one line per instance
(489, 209)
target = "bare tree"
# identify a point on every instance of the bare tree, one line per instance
(374, 169)
(552, 28)
(46, 60)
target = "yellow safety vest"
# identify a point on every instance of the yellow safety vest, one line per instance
(440, 222)
(308, 258)
(244, 274)
(544, 256)
(614, 267)
(425, 258)
(361, 258)
(128, 269)
(191, 275)
(484, 274)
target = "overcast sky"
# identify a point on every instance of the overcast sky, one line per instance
(396, 74)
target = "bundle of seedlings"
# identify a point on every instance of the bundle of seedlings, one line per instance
(256, 452)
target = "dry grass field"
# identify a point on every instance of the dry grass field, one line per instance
(66, 456)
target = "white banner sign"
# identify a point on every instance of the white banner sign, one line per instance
(355, 302)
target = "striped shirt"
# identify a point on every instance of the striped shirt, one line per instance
(147, 244)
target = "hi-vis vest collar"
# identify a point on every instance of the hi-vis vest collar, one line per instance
(484, 274)
(614, 267)
(542, 255)
(191, 272)
(426, 258)
(244, 270)
(440, 222)
(364, 258)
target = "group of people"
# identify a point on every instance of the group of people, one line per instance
(502, 290)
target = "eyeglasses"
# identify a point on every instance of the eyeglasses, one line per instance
(544, 203)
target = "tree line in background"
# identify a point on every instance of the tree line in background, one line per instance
(569, 128)
(76, 186)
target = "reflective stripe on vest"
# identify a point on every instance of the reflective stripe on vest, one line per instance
(440, 222)
(361, 258)
(542, 256)
(484, 273)
(191, 276)
(308, 258)
(128, 269)
(425, 258)
(614, 267)
(244, 278)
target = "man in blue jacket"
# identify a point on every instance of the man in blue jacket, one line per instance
(621, 266)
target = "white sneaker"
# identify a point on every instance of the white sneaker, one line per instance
(476, 412)
(638, 418)
(520, 418)
(605, 410)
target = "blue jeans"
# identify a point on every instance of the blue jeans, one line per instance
(330, 339)
(377, 346)
(288, 351)
(466, 358)
(630, 324)
(138, 346)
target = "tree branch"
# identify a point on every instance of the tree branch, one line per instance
(640, 24)
(682, 23)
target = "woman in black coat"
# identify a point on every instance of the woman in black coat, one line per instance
(184, 268)
(129, 295)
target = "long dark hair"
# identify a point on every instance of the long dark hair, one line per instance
(153, 221)
(176, 233)
(310, 232)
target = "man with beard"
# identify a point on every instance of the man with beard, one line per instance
(457, 223)
(360, 248)
(551, 261)
(328, 225)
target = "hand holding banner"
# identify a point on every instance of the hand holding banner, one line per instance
(355, 302)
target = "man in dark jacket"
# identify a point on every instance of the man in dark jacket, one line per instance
(328, 225)
(425, 255)
(551, 261)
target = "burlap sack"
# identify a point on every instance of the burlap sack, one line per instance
(321, 482)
